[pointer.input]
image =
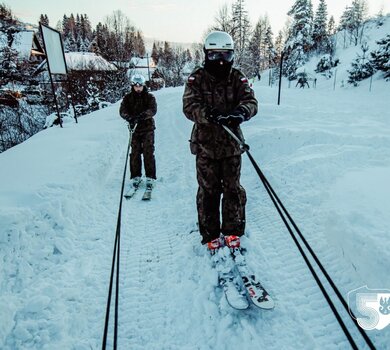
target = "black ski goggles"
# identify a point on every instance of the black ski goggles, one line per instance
(227, 55)
(137, 84)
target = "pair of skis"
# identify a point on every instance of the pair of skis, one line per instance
(147, 196)
(239, 284)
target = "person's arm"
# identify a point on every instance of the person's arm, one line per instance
(247, 102)
(124, 110)
(151, 110)
(194, 107)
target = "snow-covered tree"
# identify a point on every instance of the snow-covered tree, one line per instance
(331, 30)
(299, 43)
(44, 19)
(240, 32)
(93, 95)
(8, 64)
(255, 46)
(325, 64)
(70, 44)
(361, 67)
(223, 20)
(352, 21)
(6, 16)
(380, 58)
(154, 54)
(321, 42)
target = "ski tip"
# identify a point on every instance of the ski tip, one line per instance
(238, 305)
(267, 304)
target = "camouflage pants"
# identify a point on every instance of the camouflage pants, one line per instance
(216, 178)
(142, 143)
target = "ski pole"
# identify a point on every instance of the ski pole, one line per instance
(131, 130)
(242, 143)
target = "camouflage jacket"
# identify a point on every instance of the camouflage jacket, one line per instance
(143, 105)
(203, 90)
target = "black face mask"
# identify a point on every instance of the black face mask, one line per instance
(219, 69)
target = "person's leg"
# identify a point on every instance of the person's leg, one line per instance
(135, 156)
(208, 198)
(149, 159)
(234, 198)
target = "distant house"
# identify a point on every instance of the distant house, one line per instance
(142, 62)
(27, 45)
(142, 65)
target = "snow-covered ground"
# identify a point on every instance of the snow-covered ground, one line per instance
(326, 153)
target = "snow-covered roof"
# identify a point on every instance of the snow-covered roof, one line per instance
(142, 62)
(87, 61)
(22, 43)
(142, 71)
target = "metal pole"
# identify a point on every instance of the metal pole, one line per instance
(147, 60)
(72, 100)
(54, 94)
(280, 76)
(334, 83)
(370, 83)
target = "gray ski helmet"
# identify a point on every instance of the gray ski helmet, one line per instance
(218, 40)
(138, 79)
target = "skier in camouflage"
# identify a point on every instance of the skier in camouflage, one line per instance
(139, 107)
(215, 95)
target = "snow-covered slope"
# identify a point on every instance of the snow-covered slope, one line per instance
(373, 32)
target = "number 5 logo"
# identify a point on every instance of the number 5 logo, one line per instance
(371, 307)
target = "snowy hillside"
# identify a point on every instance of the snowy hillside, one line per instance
(327, 154)
(372, 33)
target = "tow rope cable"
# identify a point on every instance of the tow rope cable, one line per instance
(282, 213)
(116, 260)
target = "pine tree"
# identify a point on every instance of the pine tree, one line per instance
(140, 44)
(279, 43)
(321, 40)
(154, 54)
(197, 58)
(299, 42)
(70, 44)
(6, 16)
(255, 46)
(93, 95)
(331, 26)
(44, 19)
(380, 58)
(352, 21)
(240, 32)
(361, 67)
(360, 11)
(86, 29)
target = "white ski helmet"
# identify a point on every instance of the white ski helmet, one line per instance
(138, 79)
(218, 41)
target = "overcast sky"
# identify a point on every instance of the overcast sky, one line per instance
(171, 20)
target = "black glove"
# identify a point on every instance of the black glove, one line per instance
(133, 121)
(234, 119)
(212, 114)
